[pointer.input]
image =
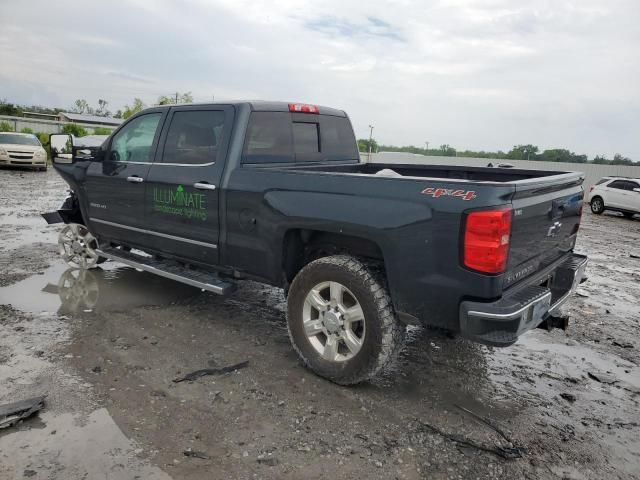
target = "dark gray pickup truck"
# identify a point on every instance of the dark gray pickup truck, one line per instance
(275, 192)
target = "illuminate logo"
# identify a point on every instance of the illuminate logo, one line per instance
(180, 202)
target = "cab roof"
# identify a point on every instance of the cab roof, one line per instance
(265, 106)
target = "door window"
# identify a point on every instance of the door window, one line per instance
(632, 185)
(618, 184)
(134, 142)
(194, 137)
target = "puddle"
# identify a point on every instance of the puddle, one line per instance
(72, 447)
(65, 290)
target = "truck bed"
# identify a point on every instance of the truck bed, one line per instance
(474, 174)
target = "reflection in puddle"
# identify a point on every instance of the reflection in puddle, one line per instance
(67, 291)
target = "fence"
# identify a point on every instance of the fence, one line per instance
(593, 172)
(45, 126)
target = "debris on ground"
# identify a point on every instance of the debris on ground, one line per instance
(507, 453)
(633, 255)
(267, 460)
(622, 344)
(12, 413)
(189, 377)
(569, 397)
(602, 377)
(487, 422)
(195, 454)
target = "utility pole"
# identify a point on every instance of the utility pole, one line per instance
(427, 144)
(176, 98)
(370, 141)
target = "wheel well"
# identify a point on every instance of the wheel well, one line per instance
(594, 197)
(302, 246)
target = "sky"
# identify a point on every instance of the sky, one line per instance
(480, 75)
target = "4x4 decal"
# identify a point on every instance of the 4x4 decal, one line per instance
(449, 192)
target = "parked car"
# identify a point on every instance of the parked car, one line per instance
(275, 192)
(22, 150)
(617, 194)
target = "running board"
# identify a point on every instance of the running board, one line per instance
(169, 269)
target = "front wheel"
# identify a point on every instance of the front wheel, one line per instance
(341, 320)
(78, 246)
(597, 205)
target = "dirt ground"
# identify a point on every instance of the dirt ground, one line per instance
(105, 346)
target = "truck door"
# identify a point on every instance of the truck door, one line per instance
(115, 188)
(182, 192)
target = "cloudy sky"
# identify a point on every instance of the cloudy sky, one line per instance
(472, 74)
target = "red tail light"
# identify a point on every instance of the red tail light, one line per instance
(303, 108)
(591, 188)
(486, 240)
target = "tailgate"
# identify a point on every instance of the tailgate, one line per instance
(546, 217)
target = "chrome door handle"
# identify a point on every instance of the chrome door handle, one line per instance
(204, 186)
(135, 179)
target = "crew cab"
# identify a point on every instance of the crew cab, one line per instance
(210, 194)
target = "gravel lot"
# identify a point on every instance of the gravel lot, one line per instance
(105, 346)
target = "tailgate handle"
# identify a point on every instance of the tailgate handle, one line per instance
(204, 186)
(135, 179)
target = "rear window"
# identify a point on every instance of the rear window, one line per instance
(280, 137)
(306, 138)
(602, 180)
(269, 138)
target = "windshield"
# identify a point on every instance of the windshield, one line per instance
(13, 139)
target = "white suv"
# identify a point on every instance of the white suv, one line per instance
(23, 150)
(619, 194)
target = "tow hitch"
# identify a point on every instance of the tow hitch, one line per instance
(553, 321)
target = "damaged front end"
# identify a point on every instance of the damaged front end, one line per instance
(69, 211)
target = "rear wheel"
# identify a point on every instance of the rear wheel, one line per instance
(341, 320)
(597, 205)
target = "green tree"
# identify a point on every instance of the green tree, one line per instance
(621, 160)
(177, 98)
(102, 131)
(8, 108)
(81, 106)
(602, 160)
(447, 151)
(363, 145)
(102, 108)
(137, 106)
(523, 152)
(74, 129)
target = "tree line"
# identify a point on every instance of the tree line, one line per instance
(101, 109)
(518, 152)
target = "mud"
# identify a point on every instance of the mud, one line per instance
(105, 346)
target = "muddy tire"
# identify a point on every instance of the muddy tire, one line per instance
(341, 320)
(597, 205)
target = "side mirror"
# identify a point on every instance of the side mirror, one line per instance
(61, 146)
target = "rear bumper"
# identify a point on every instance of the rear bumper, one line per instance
(500, 323)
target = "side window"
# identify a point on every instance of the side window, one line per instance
(306, 138)
(602, 180)
(133, 143)
(632, 185)
(619, 184)
(268, 138)
(193, 137)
